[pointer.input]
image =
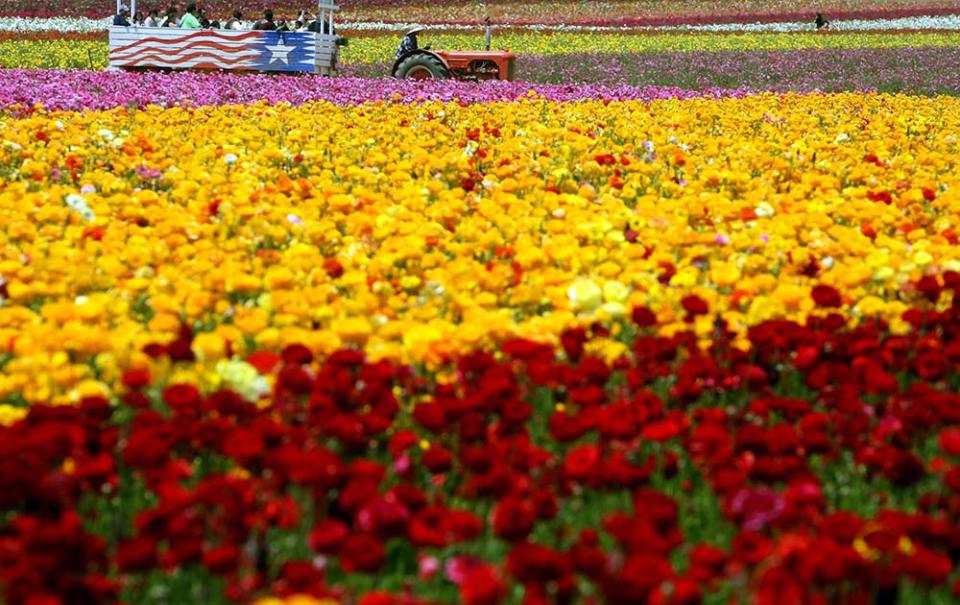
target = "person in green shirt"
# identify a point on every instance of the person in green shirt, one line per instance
(190, 20)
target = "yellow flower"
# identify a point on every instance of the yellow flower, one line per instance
(10, 414)
(208, 346)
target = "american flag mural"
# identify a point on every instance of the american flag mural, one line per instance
(215, 49)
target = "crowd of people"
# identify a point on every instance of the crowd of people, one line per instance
(195, 17)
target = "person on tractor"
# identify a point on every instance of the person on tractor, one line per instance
(409, 42)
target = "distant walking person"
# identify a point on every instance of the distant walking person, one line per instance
(821, 22)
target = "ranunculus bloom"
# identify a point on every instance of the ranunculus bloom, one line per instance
(754, 508)
(361, 553)
(826, 296)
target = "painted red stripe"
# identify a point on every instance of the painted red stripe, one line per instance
(160, 48)
(200, 55)
(201, 34)
(214, 66)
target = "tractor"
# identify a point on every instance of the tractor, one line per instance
(470, 65)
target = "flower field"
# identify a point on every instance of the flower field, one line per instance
(684, 348)
(671, 319)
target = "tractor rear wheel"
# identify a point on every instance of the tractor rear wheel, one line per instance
(422, 66)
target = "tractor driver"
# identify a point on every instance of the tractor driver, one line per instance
(409, 42)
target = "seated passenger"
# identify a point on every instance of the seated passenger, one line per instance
(121, 19)
(153, 19)
(267, 23)
(236, 22)
(170, 20)
(190, 20)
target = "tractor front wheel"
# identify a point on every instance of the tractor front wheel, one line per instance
(422, 66)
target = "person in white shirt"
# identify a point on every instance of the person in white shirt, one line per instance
(153, 19)
(236, 22)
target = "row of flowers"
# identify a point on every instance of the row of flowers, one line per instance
(647, 76)
(820, 465)
(77, 90)
(417, 231)
(923, 70)
(92, 54)
(622, 12)
(924, 22)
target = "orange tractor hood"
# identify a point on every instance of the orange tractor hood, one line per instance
(475, 54)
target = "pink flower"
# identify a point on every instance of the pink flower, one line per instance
(754, 508)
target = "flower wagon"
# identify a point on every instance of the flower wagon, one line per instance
(136, 47)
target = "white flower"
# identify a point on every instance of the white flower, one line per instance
(295, 220)
(559, 213)
(765, 210)
(585, 295)
(243, 378)
(841, 138)
(230, 159)
(79, 205)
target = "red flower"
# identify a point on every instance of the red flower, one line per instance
(581, 462)
(362, 552)
(572, 341)
(643, 317)
(950, 441)
(482, 586)
(221, 559)
(642, 573)
(136, 555)
(181, 397)
(513, 518)
(661, 430)
(297, 354)
(437, 459)
(431, 416)
(333, 267)
(682, 591)
(694, 305)
(826, 296)
(327, 536)
(931, 366)
(264, 361)
(244, 445)
(136, 378)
